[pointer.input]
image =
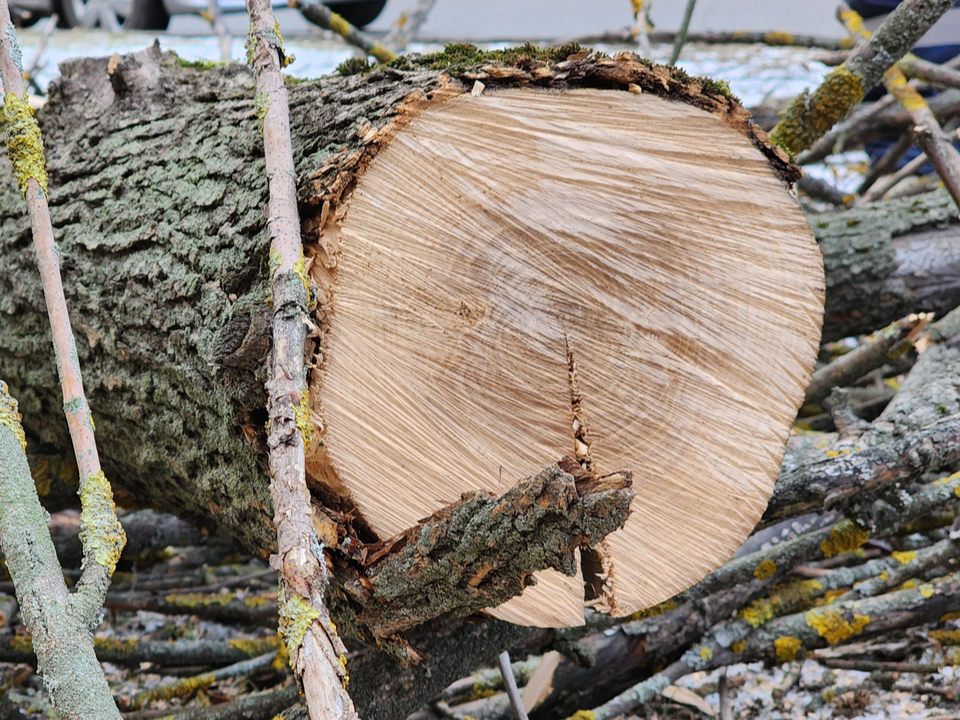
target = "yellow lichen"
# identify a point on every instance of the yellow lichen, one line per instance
(481, 690)
(121, 648)
(830, 595)
(706, 653)
(302, 410)
(296, 617)
(904, 557)
(100, 532)
(787, 648)
(282, 660)
(898, 86)
(582, 715)
(844, 537)
(778, 38)
(946, 637)
(653, 611)
(43, 485)
(884, 575)
(191, 600)
(285, 59)
(9, 416)
(807, 119)
(909, 585)
(256, 648)
(261, 103)
(255, 601)
(833, 626)
(758, 612)
(24, 144)
(739, 646)
(765, 570)
(181, 688)
(789, 595)
(340, 26)
(926, 591)
(22, 643)
(854, 23)
(344, 678)
(950, 616)
(300, 269)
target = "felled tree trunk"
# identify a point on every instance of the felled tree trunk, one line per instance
(510, 264)
(887, 260)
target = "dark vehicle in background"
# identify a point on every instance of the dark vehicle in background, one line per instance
(155, 14)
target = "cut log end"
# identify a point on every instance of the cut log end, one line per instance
(527, 274)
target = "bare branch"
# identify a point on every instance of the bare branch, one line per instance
(316, 652)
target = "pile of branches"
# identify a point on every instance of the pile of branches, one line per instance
(858, 545)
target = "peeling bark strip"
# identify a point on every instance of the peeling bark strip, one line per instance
(481, 551)
(317, 654)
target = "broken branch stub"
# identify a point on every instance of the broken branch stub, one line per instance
(480, 551)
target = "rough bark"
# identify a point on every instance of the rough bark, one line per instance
(885, 261)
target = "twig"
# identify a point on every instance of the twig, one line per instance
(726, 712)
(317, 654)
(214, 16)
(807, 119)
(101, 533)
(930, 72)
(887, 161)
(489, 681)
(682, 32)
(323, 16)
(820, 190)
(886, 345)
(61, 635)
(30, 74)
(930, 136)
(407, 26)
(185, 686)
(911, 565)
(252, 609)
(881, 188)
(510, 683)
(773, 38)
(825, 484)
(833, 140)
(641, 30)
